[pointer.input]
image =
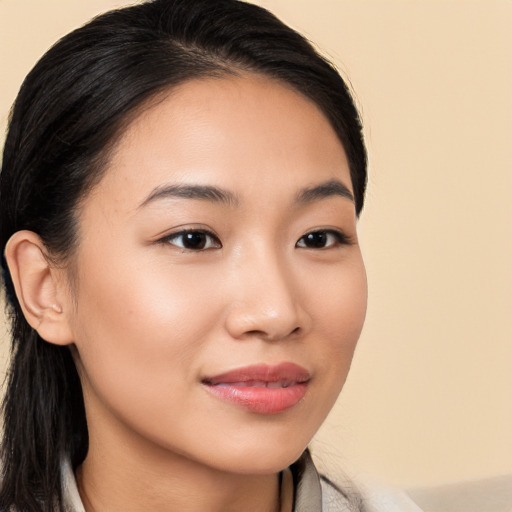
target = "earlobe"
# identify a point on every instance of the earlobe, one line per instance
(39, 287)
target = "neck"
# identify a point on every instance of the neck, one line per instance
(131, 477)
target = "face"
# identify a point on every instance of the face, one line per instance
(220, 289)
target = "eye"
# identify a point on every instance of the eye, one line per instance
(322, 239)
(193, 240)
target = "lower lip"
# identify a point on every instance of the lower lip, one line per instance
(259, 399)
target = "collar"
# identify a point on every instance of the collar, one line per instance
(306, 484)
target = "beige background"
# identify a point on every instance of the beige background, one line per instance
(429, 397)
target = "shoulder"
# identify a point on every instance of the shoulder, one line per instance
(337, 499)
(381, 498)
(320, 493)
(362, 497)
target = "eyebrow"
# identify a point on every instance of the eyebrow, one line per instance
(218, 195)
(202, 192)
(327, 189)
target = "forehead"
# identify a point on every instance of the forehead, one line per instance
(245, 133)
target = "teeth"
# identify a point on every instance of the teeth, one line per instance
(249, 384)
(279, 384)
(259, 384)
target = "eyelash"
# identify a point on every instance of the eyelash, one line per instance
(211, 241)
(340, 238)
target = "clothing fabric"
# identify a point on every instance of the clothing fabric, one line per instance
(316, 493)
(312, 493)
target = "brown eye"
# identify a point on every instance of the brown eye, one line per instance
(194, 240)
(322, 239)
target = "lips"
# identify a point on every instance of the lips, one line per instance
(262, 389)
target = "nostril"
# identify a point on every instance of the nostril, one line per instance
(269, 336)
(256, 333)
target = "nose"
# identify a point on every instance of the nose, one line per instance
(266, 300)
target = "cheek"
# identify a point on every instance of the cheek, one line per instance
(137, 334)
(342, 310)
(339, 302)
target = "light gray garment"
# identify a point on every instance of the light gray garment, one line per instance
(316, 493)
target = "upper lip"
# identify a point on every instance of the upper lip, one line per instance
(290, 372)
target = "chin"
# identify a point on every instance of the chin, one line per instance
(258, 444)
(275, 463)
(261, 455)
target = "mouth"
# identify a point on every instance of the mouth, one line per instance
(262, 389)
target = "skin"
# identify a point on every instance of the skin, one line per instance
(149, 319)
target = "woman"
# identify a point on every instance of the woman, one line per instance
(179, 193)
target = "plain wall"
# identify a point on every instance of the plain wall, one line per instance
(429, 396)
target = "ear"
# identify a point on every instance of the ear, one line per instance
(40, 287)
